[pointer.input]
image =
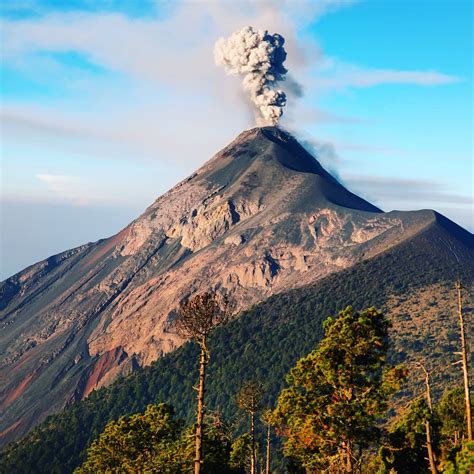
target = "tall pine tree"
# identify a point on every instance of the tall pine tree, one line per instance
(328, 414)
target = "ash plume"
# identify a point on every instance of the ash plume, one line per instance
(259, 56)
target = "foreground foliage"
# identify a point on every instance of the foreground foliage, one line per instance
(155, 441)
(336, 395)
(137, 443)
(404, 449)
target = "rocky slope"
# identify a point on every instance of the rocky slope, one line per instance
(261, 217)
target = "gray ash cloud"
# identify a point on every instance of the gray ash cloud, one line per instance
(259, 57)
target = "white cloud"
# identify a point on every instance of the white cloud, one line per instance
(73, 191)
(64, 188)
(175, 54)
(335, 74)
(55, 179)
(168, 94)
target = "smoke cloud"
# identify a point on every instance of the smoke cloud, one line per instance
(259, 56)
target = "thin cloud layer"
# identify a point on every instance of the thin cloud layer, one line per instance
(409, 194)
(335, 74)
(409, 191)
(159, 79)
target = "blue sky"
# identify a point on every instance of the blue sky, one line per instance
(107, 104)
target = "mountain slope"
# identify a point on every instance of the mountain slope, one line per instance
(260, 218)
(412, 282)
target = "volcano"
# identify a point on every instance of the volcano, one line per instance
(261, 218)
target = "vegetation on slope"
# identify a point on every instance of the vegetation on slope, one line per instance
(328, 417)
(263, 343)
(404, 448)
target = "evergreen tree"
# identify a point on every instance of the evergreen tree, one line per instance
(241, 453)
(249, 399)
(337, 393)
(465, 458)
(451, 412)
(405, 447)
(141, 442)
(155, 441)
(217, 445)
(196, 319)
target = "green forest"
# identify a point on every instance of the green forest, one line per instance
(327, 418)
(263, 344)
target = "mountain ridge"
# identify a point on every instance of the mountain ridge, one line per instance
(261, 217)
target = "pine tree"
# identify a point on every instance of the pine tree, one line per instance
(404, 450)
(241, 453)
(196, 319)
(139, 443)
(328, 415)
(249, 399)
(452, 415)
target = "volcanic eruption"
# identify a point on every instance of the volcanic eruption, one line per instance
(259, 56)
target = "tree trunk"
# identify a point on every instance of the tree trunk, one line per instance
(267, 464)
(349, 466)
(429, 446)
(465, 369)
(252, 441)
(200, 408)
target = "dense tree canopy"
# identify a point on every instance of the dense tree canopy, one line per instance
(452, 415)
(404, 450)
(136, 443)
(241, 452)
(155, 441)
(464, 463)
(337, 393)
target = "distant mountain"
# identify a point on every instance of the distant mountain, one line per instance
(261, 218)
